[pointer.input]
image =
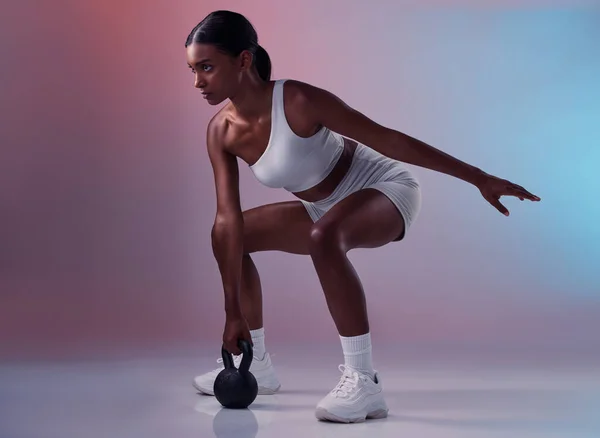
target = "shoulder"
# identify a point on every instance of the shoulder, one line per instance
(300, 93)
(217, 131)
(312, 100)
(309, 101)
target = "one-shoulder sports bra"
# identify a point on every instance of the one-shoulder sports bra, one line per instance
(292, 162)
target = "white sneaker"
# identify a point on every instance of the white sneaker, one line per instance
(261, 369)
(355, 398)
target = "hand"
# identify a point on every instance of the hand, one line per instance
(492, 188)
(236, 328)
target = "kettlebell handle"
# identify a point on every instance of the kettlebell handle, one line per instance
(247, 354)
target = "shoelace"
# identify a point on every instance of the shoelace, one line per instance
(348, 381)
(237, 360)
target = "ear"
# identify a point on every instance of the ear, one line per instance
(245, 60)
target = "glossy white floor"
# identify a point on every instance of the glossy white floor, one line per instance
(430, 394)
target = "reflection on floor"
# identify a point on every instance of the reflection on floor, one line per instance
(462, 394)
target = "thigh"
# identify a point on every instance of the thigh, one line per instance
(364, 219)
(281, 226)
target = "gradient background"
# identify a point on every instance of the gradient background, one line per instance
(107, 197)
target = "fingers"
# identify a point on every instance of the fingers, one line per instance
(249, 339)
(501, 208)
(521, 193)
(233, 348)
(233, 345)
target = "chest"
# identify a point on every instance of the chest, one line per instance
(249, 140)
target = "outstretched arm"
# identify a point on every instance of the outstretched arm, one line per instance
(330, 111)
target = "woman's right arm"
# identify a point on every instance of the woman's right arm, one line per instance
(228, 228)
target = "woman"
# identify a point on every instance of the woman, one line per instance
(352, 188)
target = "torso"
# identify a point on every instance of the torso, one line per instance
(248, 140)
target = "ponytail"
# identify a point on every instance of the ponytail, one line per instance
(262, 61)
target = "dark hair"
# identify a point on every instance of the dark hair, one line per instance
(231, 33)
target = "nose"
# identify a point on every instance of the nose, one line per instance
(198, 82)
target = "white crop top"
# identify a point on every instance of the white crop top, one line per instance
(292, 162)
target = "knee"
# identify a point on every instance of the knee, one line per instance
(325, 238)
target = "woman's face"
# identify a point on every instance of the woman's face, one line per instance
(216, 74)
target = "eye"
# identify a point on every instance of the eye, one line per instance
(204, 67)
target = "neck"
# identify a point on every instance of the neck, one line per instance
(253, 98)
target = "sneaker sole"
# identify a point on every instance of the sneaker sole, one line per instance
(324, 415)
(262, 390)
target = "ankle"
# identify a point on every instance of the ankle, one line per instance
(258, 339)
(358, 353)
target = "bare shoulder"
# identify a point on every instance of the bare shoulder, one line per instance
(310, 100)
(323, 108)
(219, 132)
(225, 167)
(301, 93)
(301, 99)
(215, 131)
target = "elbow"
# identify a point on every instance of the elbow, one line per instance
(225, 222)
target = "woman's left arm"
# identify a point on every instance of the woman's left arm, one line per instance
(330, 111)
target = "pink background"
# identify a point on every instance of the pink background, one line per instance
(107, 197)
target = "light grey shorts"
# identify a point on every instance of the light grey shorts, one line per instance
(371, 169)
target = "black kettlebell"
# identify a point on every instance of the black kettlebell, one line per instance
(236, 388)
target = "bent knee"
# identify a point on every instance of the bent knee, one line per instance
(325, 236)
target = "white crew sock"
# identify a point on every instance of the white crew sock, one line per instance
(358, 353)
(258, 339)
